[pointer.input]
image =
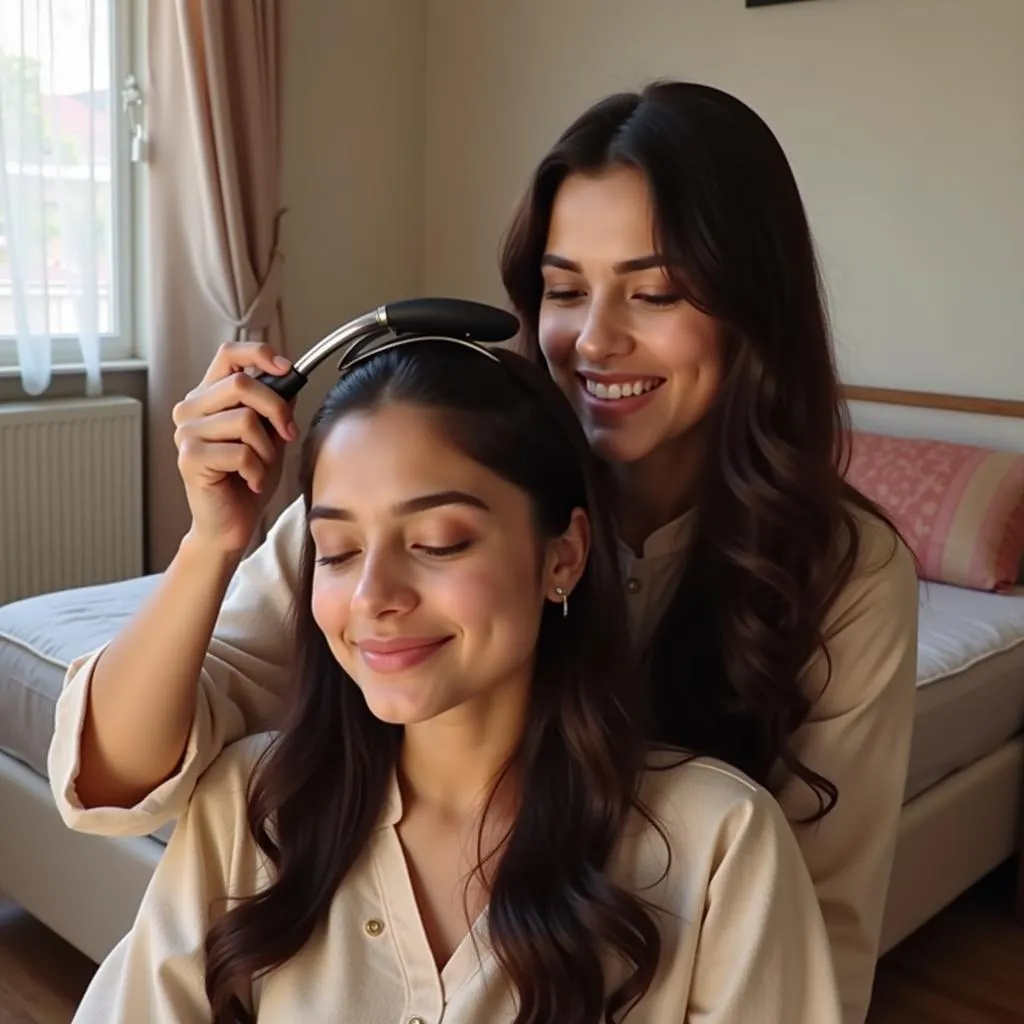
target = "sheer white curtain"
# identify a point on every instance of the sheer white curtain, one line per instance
(57, 281)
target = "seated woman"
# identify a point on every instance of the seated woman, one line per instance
(458, 820)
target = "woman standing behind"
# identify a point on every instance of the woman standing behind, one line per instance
(662, 248)
(664, 271)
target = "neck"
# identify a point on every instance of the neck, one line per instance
(449, 765)
(657, 489)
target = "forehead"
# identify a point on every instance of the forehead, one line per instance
(371, 460)
(602, 217)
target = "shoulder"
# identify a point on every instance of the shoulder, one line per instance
(883, 561)
(700, 823)
(274, 566)
(871, 629)
(880, 595)
(705, 800)
(289, 528)
(283, 545)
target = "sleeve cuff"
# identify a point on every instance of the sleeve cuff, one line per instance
(154, 810)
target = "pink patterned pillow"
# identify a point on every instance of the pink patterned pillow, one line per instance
(960, 508)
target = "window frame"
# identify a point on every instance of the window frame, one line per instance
(122, 343)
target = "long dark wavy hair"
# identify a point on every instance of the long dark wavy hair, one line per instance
(777, 534)
(320, 788)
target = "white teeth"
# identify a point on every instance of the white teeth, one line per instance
(612, 392)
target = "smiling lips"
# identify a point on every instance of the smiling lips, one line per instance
(617, 393)
(398, 654)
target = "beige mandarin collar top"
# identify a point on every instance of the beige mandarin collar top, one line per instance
(743, 940)
(651, 576)
(857, 734)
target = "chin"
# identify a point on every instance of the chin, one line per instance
(396, 708)
(619, 446)
(390, 716)
(397, 711)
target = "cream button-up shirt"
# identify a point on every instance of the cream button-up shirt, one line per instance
(651, 577)
(857, 734)
(743, 941)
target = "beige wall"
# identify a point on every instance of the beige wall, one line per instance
(353, 163)
(904, 120)
(411, 126)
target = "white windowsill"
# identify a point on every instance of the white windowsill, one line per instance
(72, 369)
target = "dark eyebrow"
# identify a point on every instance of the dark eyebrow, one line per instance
(651, 262)
(405, 508)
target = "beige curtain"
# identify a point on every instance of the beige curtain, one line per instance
(214, 213)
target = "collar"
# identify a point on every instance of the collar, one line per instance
(391, 813)
(672, 539)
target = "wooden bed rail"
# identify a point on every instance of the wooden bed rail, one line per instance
(931, 400)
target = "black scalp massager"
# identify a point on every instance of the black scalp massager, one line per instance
(398, 323)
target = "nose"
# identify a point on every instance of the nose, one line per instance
(383, 588)
(603, 335)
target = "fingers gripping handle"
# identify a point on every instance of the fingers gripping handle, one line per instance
(286, 385)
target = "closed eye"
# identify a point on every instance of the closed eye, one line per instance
(451, 549)
(562, 294)
(335, 559)
(660, 300)
(432, 552)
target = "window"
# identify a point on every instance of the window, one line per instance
(65, 186)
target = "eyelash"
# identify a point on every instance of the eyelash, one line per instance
(451, 549)
(561, 295)
(653, 300)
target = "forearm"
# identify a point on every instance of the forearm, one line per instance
(142, 699)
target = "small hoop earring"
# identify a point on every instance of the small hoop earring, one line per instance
(560, 591)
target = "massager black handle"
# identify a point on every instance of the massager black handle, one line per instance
(287, 385)
(462, 318)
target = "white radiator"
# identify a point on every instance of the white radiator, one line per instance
(70, 494)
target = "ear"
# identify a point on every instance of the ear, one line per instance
(566, 556)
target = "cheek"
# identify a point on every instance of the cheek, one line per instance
(685, 345)
(490, 599)
(330, 604)
(557, 332)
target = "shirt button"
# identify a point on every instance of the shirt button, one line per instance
(633, 585)
(417, 1020)
(374, 927)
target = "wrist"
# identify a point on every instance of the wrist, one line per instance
(199, 555)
